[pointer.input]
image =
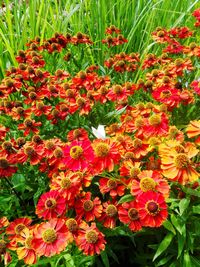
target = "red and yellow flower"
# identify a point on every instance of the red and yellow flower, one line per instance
(90, 240)
(51, 205)
(50, 238)
(152, 209)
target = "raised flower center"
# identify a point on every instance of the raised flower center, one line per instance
(50, 203)
(134, 172)
(29, 151)
(147, 184)
(88, 205)
(137, 143)
(165, 94)
(65, 183)
(111, 184)
(152, 207)
(129, 155)
(2, 246)
(139, 122)
(19, 228)
(49, 236)
(3, 163)
(155, 120)
(91, 237)
(111, 210)
(72, 225)
(133, 214)
(28, 123)
(76, 133)
(28, 242)
(179, 149)
(181, 161)
(117, 89)
(101, 150)
(76, 152)
(58, 153)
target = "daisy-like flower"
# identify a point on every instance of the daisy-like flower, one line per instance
(128, 214)
(50, 238)
(88, 208)
(158, 125)
(51, 205)
(193, 130)
(109, 215)
(152, 209)
(106, 155)
(129, 168)
(78, 155)
(72, 227)
(90, 240)
(4, 253)
(196, 86)
(25, 250)
(149, 181)
(14, 230)
(176, 162)
(6, 168)
(68, 184)
(113, 186)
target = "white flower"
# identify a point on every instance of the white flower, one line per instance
(99, 132)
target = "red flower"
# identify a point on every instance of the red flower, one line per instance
(149, 181)
(51, 205)
(78, 155)
(152, 209)
(109, 215)
(68, 184)
(50, 238)
(88, 208)
(6, 168)
(106, 155)
(128, 214)
(113, 186)
(90, 239)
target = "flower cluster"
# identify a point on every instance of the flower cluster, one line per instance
(122, 179)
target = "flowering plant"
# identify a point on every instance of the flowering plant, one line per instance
(68, 188)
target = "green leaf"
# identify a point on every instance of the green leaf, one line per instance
(126, 198)
(191, 192)
(163, 261)
(195, 261)
(18, 181)
(181, 243)
(105, 259)
(186, 260)
(163, 245)
(196, 209)
(176, 223)
(167, 224)
(183, 205)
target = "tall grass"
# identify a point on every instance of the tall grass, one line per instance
(21, 21)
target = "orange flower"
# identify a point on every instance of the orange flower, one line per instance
(149, 181)
(193, 130)
(152, 209)
(128, 214)
(51, 205)
(176, 162)
(90, 239)
(25, 250)
(68, 184)
(50, 238)
(129, 168)
(14, 229)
